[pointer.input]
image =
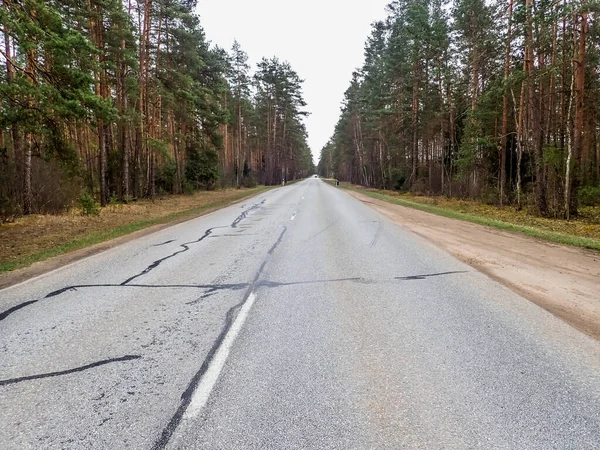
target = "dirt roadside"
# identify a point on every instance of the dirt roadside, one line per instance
(563, 280)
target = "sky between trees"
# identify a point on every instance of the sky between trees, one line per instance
(322, 39)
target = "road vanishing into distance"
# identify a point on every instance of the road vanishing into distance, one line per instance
(300, 318)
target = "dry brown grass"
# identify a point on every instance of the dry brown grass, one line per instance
(37, 237)
(586, 225)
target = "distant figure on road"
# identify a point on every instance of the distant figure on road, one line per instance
(337, 182)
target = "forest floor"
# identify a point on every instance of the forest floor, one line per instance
(564, 280)
(36, 238)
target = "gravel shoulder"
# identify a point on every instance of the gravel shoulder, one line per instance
(563, 280)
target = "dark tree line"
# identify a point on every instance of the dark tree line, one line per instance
(127, 99)
(495, 100)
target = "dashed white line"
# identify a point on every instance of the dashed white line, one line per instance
(210, 377)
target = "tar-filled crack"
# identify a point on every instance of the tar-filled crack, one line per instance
(427, 275)
(244, 213)
(186, 246)
(164, 243)
(154, 265)
(213, 288)
(69, 371)
(276, 244)
(234, 235)
(9, 311)
(276, 284)
(186, 397)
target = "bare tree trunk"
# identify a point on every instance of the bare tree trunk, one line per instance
(96, 30)
(534, 115)
(121, 96)
(27, 154)
(563, 98)
(552, 132)
(504, 139)
(144, 29)
(15, 133)
(359, 149)
(239, 143)
(415, 123)
(568, 181)
(579, 76)
(519, 140)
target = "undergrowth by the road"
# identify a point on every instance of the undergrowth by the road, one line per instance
(581, 232)
(36, 238)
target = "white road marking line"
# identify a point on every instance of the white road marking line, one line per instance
(210, 377)
(294, 216)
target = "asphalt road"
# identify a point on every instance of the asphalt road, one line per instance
(299, 319)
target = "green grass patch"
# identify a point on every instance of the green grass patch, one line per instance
(102, 236)
(547, 235)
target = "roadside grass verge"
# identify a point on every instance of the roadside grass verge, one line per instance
(583, 232)
(36, 238)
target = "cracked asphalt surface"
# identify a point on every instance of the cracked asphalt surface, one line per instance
(362, 335)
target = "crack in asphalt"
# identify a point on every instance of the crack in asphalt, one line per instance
(245, 213)
(186, 397)
(276, 244)
(154, 265)
(324, 229)
(213, 288)
(69, 371)
(377, 234)
(9, 311)
(164, 243)
(186, 246)
(427, 275)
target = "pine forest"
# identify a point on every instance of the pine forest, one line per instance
(493, 100)
(124, 99)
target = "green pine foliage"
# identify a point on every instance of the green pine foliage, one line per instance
(447, 103)
(122, 100)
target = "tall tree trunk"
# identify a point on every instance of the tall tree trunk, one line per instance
(534, 115)
(564, 124)
(504, 139)
(15, 133)
(519, 126)
(27, 154)
(442, 145)
(239, 142)
(144, 51)
(97, 31)
(579, 76)
(121, 96)
(415, 123)
(552, 132)
(568, 170)
(359, 149)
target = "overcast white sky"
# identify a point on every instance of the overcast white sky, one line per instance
(323, 41)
